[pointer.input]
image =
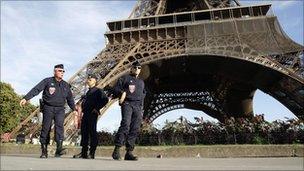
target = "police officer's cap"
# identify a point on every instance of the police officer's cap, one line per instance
(59, 66)
(92, 76)
(136, 64)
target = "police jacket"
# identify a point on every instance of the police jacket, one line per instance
(134, 88)
(95, 98)
(55, 93)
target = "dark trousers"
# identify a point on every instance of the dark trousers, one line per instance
(131, 114)
(51, 113)
(89, 130)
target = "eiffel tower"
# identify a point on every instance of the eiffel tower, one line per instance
(207, 55)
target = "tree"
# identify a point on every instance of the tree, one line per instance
(11, 113)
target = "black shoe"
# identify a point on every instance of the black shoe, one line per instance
(129, 156)
(116, 153)
(81, 155)
(92, 152)
(44, 152)
(59, 153)
(91, 156)
(59, 150)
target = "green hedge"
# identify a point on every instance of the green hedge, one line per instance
(233, 131)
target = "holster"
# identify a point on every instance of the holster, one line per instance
(41, 104)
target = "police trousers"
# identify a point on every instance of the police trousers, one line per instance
(127, 133)
(89, 130)
(51, 113)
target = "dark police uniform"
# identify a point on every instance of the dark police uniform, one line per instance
(54, 96)
(92, 102)
(131, 110)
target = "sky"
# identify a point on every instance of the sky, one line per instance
(36, 35)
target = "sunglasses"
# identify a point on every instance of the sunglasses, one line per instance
(61, 70)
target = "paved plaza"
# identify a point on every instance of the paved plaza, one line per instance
(32, 162)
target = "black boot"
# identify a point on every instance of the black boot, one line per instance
(83, 154)
(59, 150)
(44, 152)
(129, 156)
(116, 153)
(92, 153)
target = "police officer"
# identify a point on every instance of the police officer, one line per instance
(132, 93)
(56, 92)
(92, 102)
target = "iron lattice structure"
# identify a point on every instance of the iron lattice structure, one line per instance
(208, 55)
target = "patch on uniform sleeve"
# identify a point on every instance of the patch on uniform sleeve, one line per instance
(52, 90)
(132, 88)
